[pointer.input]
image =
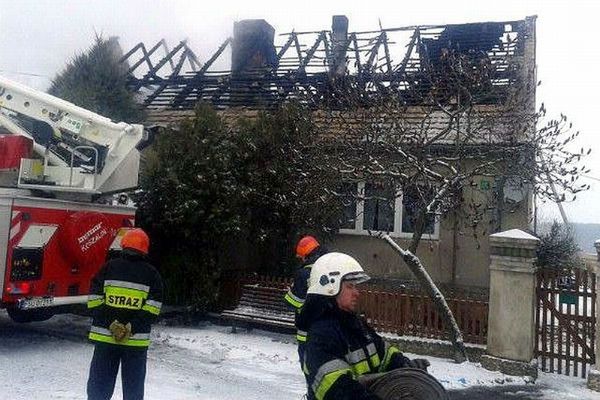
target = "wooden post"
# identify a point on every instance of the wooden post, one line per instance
(593, 381)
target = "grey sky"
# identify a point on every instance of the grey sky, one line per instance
(39, 36)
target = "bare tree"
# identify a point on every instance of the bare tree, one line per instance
(434, 138)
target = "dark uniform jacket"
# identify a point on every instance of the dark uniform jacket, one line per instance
(127, 289)
(297, 293)
(340, 347)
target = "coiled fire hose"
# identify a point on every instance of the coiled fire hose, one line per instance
(405, 384)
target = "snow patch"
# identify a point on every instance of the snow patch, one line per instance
(50, 360)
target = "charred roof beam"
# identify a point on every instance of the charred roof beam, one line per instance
(374, 51)
(388, 60)
(286, 46)
(310, 53)
(152, 72)
(196, 82)
(174, 74)
(145, 55)
(298, 48)
(413, 41)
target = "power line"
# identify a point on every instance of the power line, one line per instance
(591, 177)
(25, 73)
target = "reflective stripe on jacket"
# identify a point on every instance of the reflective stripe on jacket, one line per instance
(296, 295)
(128, 290)
(341, 347)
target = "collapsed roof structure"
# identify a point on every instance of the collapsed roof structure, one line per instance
(257, 69)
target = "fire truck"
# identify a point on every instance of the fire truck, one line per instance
(61, 169)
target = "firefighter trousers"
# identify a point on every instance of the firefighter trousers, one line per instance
(104, 368)
(301, 353)
(301, 350)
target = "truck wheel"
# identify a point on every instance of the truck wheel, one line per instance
(23, 316)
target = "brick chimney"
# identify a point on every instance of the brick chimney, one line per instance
(252, 47)
(339, 38)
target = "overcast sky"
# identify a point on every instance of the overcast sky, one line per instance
(37, 37)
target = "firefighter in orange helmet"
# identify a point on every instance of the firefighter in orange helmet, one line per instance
(125, 299)
(308, 250)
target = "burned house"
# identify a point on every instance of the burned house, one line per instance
(259, 70)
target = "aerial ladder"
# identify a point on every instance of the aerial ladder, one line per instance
(78, 151)
(60, 169)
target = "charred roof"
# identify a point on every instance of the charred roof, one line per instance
(258, 69)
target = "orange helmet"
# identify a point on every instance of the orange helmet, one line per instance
(136, 239)
(305, 246)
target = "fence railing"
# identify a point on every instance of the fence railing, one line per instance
(391, 312)
(416, 315)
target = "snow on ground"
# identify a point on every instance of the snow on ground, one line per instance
(563, 387)
(50, 360)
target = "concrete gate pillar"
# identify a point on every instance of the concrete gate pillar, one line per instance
(594, 373)
(512, 307)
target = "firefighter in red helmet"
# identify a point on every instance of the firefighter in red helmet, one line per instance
(308, 250)
(306, 246)
(125, 299)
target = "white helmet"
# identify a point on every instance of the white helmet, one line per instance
(330, 269)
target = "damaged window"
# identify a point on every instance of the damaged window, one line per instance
(379, 207)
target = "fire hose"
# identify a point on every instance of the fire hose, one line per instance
(405, 384)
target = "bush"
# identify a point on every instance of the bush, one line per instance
(222, 194)
(558, 249)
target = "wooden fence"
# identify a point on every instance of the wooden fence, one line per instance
(416, 315)
(566, 321)
(391, 312)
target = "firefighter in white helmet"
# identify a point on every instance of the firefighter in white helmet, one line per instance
(340, 345)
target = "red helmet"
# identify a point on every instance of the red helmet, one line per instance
(306, 245)
(136, 239)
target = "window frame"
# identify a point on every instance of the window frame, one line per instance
(398, 214)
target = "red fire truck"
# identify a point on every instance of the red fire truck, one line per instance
(61, 167)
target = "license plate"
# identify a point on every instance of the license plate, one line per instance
(35, 302)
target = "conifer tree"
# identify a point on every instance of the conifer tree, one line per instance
(97, 80)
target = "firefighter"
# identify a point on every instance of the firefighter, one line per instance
(308, 250)
(340, 345)
(125, 299)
